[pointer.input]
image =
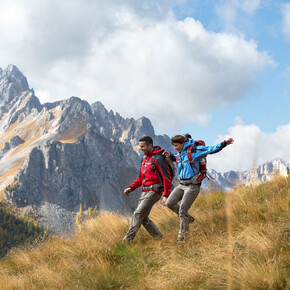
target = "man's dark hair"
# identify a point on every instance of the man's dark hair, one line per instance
(147, 139)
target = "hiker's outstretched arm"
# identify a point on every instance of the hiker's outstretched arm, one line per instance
(163, 170)
(203, 151)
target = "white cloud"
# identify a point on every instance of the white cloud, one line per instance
(286, 20)
(230, 10)
(250, 6)
(252, 147)
(136, 59)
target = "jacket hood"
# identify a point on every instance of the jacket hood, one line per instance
(187, 144)
(157, 150)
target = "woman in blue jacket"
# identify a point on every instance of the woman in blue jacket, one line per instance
(188, 173)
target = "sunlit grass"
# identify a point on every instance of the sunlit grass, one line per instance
(239, 240)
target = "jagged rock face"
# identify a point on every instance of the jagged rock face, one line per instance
(15, 141)
(127, 130)
(75, 111)
(59, 155)
(12, 84)
(88, 172)
(5, 148)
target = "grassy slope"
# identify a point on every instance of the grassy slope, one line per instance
(238, 241)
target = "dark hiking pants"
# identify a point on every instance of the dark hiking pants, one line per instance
(187, 195)
(140, 216)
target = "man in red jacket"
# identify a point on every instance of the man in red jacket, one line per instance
(155, 179)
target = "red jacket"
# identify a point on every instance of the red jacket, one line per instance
(147, 176)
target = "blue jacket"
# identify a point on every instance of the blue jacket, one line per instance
(185, 169)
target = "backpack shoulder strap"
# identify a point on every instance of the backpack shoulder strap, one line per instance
(189, 151)
(154, 167)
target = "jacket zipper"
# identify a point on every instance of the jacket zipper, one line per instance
(182, 167)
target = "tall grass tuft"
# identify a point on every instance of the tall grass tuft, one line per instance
(239, 240)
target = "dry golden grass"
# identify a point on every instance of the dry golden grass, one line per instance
(240, 240)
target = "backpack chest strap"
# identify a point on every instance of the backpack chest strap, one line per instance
(180, 161)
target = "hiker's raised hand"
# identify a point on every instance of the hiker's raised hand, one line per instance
(230, 141)
(127, 191)
(164, 200)
(166, 153)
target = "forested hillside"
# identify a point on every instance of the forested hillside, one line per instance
(16, 230)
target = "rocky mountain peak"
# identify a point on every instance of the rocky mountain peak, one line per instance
(15, 76)
(12, 84)
(100, 112)
(74, 110)
(144, 125)
(98, 106)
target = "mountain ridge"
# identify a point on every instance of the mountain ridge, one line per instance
(262, 173)
(57, 156)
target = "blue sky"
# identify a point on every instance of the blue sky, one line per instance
(214, 69)
(268, 103)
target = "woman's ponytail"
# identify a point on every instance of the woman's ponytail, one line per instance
(187, 136)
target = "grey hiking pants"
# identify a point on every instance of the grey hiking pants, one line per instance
(187, 195)
(140, 216)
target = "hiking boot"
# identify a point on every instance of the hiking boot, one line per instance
(191, 219)
(180, 240)
(126, 242)
(158, 237)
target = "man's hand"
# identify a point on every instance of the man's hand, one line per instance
(127, 191)
(230, 141)
(166, 153)
(164, 200)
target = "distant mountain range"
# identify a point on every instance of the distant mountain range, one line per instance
(57, 156)
(262, 173)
